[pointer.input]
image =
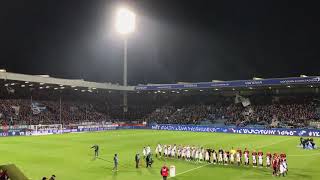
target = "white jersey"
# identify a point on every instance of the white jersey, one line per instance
(148, 149)
(207, 156)
(188, 153)
(220, 157)
(285, 165)
(214, 154)
(246, 157)
(200, 155)
(194, 153)
(197, 154)
(268, 161)
(282, 167)
(254, 160)
(173, 152)
(238, 158)
(260, 159)
(225, 156)
(158, 149)
(232, 157)
(144, 152)
(169, 150)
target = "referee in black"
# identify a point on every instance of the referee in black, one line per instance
(96, 150)
(137, 159)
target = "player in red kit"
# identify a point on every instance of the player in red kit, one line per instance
(275, 165)
(254, 158)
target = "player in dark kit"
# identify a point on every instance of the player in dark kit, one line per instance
(96, 150)
(137, 160)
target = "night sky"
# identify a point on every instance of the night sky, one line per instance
(186, 40)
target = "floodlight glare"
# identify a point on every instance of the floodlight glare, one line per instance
(125, 21)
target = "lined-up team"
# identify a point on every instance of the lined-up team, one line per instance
(221, 156)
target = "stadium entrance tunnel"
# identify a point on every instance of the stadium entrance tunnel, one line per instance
(13, 172)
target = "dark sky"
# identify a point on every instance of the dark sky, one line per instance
(186, 40)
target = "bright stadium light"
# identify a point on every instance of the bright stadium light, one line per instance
(125, 21)
(125, 24)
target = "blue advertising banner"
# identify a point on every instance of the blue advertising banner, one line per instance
(259, 131)
(231, 84)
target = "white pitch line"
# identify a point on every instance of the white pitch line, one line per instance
(210, 164)
(295, 155)
(191, 170)
(273, 143)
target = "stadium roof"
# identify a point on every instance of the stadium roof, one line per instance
(302, 81)
(313, 81)
(46, 79)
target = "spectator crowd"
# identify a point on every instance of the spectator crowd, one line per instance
(47, 108)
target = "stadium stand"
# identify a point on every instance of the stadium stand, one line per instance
(26, 106)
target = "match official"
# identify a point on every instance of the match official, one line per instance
(96, 150)
(137, 159)
(116, 161)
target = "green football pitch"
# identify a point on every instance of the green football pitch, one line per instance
(69, 156)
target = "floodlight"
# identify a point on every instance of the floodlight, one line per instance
(125, 21)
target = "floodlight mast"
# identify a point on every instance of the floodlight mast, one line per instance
(125, 25)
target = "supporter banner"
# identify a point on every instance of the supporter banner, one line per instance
(37, 108)
(259, 131)
(240, 83)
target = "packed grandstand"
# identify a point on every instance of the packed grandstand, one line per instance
(294, 107)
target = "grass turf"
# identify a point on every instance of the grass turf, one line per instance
(69, 156)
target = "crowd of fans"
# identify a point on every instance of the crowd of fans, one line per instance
(286, 111)
(20, 111)
(289, 111)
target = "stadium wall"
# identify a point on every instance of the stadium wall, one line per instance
(257, 131)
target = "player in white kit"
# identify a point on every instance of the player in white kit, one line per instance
(238, 158)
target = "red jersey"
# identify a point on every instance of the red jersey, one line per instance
(164, 171)
(278, 162)
(275, 163)
(260, 153)
(283, 156)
